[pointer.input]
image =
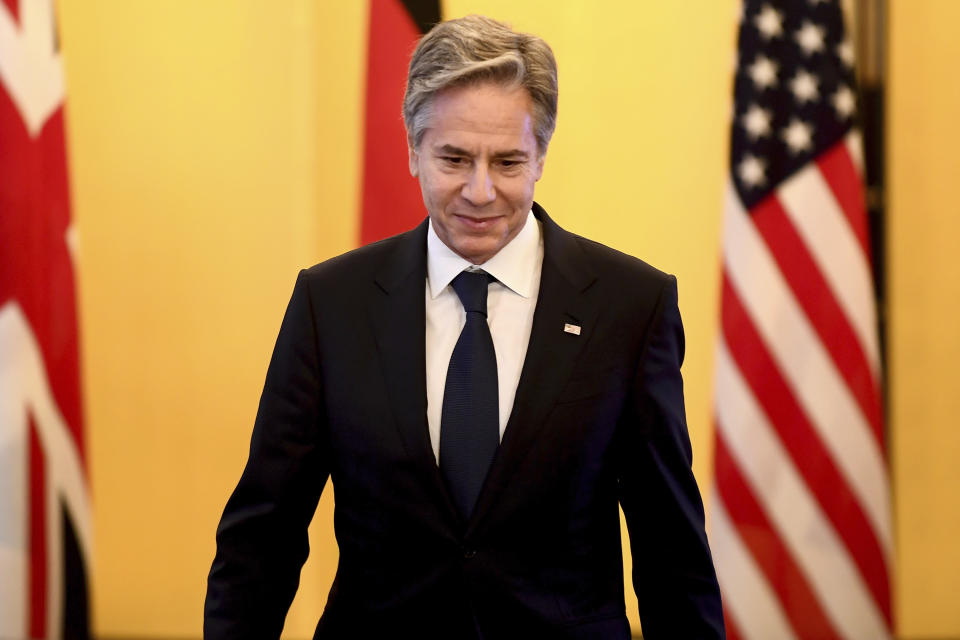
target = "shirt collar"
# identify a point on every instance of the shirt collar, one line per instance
(514, 265)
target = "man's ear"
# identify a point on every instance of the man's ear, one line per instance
(413, 157)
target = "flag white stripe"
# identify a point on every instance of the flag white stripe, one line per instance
(806, 367)
(818, 217)
(794, 513)
(14, 506)
(66, 471)
(747, 595)
(854, 143)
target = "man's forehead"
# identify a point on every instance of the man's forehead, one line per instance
(476, 138)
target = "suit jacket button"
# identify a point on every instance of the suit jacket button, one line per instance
(469, 553)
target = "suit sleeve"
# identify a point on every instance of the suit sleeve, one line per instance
(673, 573)
(262, 538)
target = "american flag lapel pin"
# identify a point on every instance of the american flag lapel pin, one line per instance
(571, 328)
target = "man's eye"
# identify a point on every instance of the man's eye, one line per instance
(510, 164)
(453, 160)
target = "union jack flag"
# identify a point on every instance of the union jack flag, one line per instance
(44, 501)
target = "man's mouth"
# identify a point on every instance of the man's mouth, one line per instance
(478, 223)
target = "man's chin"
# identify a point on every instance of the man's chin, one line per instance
(476, 252)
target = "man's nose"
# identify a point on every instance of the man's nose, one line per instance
(478, 189)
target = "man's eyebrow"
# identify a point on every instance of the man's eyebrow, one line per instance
(452, 150)
(449, 149)
(512, 153)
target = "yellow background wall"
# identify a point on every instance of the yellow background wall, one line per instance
(214, 150)
(924, 315)
(213, 154)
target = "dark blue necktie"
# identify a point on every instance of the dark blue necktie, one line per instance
(470, 417)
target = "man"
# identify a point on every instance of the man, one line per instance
(483, 390)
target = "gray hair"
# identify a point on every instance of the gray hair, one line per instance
(478, 49)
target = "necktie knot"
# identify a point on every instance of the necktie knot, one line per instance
(471, 288)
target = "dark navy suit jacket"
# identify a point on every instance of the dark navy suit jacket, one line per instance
(598, 421)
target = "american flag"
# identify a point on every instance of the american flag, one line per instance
(800, 516)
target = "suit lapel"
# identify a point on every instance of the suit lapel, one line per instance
(397, 313)
(551, 354)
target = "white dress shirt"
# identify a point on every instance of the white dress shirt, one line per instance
(510, 305)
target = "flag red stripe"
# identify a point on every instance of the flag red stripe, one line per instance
(14, 8)
(821, 307)
(811, 458)
(800, 604)
(54, 318)
(37, 588)
(841, 174)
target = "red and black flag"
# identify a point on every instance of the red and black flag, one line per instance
(391, 197)
(44, 499)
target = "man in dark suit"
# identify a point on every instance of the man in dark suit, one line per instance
(484, 391)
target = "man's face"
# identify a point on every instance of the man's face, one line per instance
(477, 164)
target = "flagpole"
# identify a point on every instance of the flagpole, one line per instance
(871, 43)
